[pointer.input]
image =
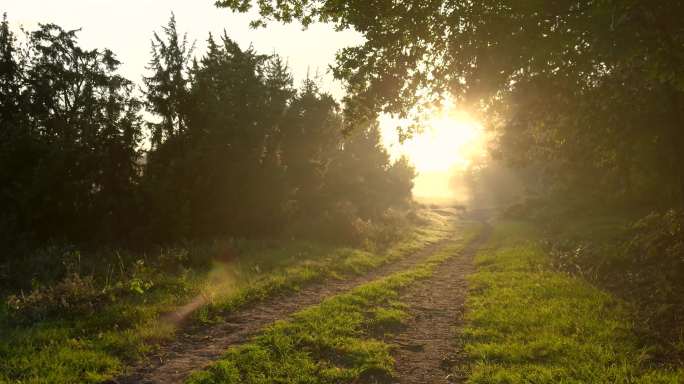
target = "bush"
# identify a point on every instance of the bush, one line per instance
(658, 239)
(339, 224)
(649, 249)
(343, 225)
(391, 226)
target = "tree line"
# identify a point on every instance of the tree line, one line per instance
(588, 93)
(230, 148)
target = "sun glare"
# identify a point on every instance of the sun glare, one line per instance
(447, 142)
(450, 142)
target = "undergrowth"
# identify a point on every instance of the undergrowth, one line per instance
(634, 251)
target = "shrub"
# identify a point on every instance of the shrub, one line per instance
(658, 239)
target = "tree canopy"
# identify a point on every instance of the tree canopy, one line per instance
(585, 89)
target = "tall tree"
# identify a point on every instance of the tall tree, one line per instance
(16, 144)
(310, 133)
(71, 132)
(167, 87)
(223, 174)
(361, 173)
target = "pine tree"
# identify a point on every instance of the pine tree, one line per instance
(167, 88)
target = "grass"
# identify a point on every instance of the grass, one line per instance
(333, 342)
(531, 324)
(340, 263)
(90, 347)
(638, 259)
(93, 344)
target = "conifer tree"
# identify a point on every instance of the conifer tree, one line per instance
(167, 87)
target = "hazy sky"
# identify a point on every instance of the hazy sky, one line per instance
(126, 27)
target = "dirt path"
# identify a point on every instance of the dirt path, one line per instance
(196, 347)
(426, 348)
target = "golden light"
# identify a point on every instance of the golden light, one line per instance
(447, 142)
(450, 142)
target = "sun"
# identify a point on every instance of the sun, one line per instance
(450, 141)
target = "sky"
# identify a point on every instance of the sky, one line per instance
(126, 27)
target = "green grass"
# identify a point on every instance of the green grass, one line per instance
(94, 346)
(334, 342)
(530, 324)
(339, 263)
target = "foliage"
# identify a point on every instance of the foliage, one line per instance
(659, 239)
(245, 152)
(73, 294)
(589, 93)
(166, 89)
(69, 137)
(213, 168)
(236, 151)
(638, 260)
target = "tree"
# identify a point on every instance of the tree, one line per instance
(222, 174)
(309, 134)
(558, 78)
(254, 153)
(362, 174)
(167, 88)
(71, 131)
(10, 72)
(15, 138)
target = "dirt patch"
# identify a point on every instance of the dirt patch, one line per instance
(426, 348)
(196, 346)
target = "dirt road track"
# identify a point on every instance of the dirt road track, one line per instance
(426, 348)
(196, 347)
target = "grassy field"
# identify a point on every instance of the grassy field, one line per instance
(88, 344)
(336, 341)
(531, 324)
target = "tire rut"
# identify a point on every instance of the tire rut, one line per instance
(426, 349)
(196, 346)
